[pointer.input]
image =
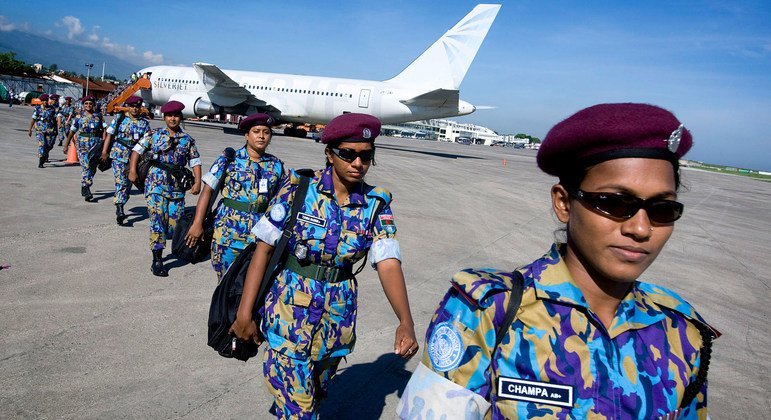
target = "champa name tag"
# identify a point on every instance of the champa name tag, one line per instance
(537, 392)
(311, 220)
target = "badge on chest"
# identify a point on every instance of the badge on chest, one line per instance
(311, 220)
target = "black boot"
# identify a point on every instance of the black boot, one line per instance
(120, 216)
(157, 267)
(85, 191)
(40, 162)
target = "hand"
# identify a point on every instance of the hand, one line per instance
(64, 149)
(105, 157)
(245, 330)
(406, 345)
(29, 133)
(194, 234)
(196, 188)
(132, 176)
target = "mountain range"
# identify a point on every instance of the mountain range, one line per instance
(32, 48)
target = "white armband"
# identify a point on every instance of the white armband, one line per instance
(429, 395)
(138, 148)
(210, 180)
(266, 231)
(384, 249)
(195, 162)
(110, 130)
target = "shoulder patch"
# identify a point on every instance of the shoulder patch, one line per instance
(445, 347)
(479, 286)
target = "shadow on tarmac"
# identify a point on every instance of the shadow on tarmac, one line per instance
(360, 391)
(135, 214)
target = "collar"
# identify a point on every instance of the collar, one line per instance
(552, 281)
(242, 153)
(327, 186)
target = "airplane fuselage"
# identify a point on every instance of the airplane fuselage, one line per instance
(301, 99)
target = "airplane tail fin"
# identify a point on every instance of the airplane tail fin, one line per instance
(445, 63)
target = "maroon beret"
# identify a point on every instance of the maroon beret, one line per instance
(133, 100)
(87, 99)
(54, 96)
(611, 131)
(256, 119)
(68, 98)
(172, 107)
(44, 97)
(351, 128)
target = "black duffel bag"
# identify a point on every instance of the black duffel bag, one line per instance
(143, 166)
(202, 248)
(95, 158)
(227, 295)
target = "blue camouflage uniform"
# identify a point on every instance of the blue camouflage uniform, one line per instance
(88, 131)
(45, 128)
(165, 199)
(308, 321)
(125, 137)
(247, 183)
(65, 113)
(557, 360)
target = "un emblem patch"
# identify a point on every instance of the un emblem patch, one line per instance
(445, 347)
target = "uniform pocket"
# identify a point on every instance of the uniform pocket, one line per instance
(287, 317)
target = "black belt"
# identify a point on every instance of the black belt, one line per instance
(244, 206)
(318, 272)
(125, 143)
(168, 167)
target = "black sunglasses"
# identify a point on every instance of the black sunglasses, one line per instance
(349, 155)
(624, 206)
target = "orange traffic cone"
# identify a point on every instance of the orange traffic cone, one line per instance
(72, 154)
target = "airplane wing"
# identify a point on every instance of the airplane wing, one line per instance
(227, 91)
(435, 98)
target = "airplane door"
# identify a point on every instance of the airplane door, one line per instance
(364, 98)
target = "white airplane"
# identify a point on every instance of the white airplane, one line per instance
(427, 88)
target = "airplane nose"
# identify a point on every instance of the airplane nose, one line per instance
(465, 108)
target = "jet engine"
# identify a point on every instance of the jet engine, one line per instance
(195, 106)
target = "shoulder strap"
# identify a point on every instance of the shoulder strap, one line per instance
(517, 285)
(278, 252)
(230, 156)
(693, 388)
(121, 117)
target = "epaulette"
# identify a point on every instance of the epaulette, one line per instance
(296, 174)
(379, 192)
(669, 299)
(480, 285)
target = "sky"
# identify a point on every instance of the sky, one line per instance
(709, 62)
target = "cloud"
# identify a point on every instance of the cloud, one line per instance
(74, 28)
(76, 33)
(153, 58)
(7, 26)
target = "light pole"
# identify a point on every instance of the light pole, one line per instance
(89, 66)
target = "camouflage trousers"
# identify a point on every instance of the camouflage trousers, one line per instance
(84, 144)
(222, 257)
(122, 183)
(63, 131)
(45, 142)
(298, 386)
(164, 213)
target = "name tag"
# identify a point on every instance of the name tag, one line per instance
(537, 392)
(311, 220)
(263, 186)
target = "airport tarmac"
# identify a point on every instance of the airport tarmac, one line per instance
(89, 332)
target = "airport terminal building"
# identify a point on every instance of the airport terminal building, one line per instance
(447, 131)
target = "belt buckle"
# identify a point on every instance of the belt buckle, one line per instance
(323, 272)
(252, 207)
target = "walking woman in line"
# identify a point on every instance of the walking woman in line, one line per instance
(585, 337)
(88, 126)
(309, 316)
(251, 181)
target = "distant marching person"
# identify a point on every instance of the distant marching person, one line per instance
(64, 118)
(88, 126)
(126, 130)
(44, 123)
